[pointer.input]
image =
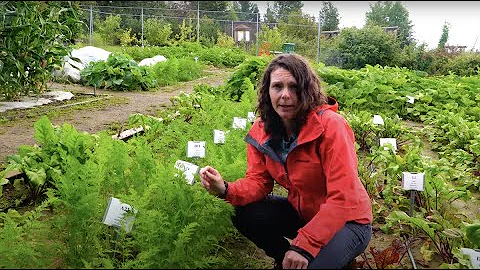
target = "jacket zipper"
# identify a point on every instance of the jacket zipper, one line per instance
(288, 179)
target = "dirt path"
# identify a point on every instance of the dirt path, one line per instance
(20, 132)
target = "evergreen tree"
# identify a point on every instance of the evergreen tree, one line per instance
(247, 10)
(444, 37)
(270, 16)
(330, 19)
(281, 10)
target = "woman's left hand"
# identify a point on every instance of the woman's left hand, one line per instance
(294, 260)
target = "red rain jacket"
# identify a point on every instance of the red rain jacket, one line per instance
(320, 174)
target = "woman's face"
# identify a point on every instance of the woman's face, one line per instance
(283, 94)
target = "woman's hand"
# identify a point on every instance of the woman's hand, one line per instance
(294, 260)
(212, 181)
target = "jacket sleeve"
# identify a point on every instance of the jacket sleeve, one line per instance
(339, 162)
(256, 184)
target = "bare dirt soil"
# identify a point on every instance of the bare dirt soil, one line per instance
(21, 132)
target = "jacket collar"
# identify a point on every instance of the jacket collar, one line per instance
(311, 130)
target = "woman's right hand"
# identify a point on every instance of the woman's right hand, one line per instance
(212, 181)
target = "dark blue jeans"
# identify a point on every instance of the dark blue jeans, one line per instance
(268, 222)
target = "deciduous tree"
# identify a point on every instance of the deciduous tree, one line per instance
(386, 13)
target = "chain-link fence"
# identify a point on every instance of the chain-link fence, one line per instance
(203, 24)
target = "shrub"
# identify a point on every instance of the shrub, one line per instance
(109, 30)
(224, 40)
(119, 72)
(370, 45)
(157, 32)
(464, 64)
(34, 38)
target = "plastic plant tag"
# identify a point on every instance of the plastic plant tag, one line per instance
(114, 215)
(413, 181)
(251, 117)
(391, 141)
(218, 136)
(189, 170)
(377, 119)
(474, 256)
(410, 99)
(239, 123)
(196, 149)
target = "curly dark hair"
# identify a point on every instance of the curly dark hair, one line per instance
(309, 93)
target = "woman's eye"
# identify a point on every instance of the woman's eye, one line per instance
(277, 87)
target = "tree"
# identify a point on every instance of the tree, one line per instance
(281, 9)
(247, 10)
(330, 19)
(369, 45)
(289, 27)
(444, 37)
(269, 16)
(385, 13)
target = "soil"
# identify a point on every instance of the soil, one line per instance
(17, 133)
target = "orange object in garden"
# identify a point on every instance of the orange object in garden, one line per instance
(265, 49)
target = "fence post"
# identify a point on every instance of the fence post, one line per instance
(91, 25)
(232, 30)
(318, 35)
(198, 21)
(142, 28)
(256, 51)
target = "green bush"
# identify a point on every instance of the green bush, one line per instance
(177, 70)
(370, 45)
(157, 32)
(34, 38)
(225, 41)
(252, 69)
(119, 72)
(110, 29)
(464, 64)
(270, 36)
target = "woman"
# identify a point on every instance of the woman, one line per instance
(302, 143)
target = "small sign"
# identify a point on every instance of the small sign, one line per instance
(218, 136)
(251, 117)
(189, 170)
(410, 99)
(239, 123)
(114, 215)
(413, 181)
(474, 256)
(377, 119)
(196, 149)
(391, 141)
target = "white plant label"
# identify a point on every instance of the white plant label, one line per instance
(196, 149)
(377, 119)
(251, 117)
(239, 123)
(413, 181)
(474, 256)
(410, 99)
(114, 215)
(218, 136)
(391, 141)
(189, 170)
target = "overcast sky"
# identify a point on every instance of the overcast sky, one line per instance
(427, 18)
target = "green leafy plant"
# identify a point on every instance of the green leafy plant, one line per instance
(34, 38)
(119, 72)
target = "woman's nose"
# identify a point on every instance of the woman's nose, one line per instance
(285, 93)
